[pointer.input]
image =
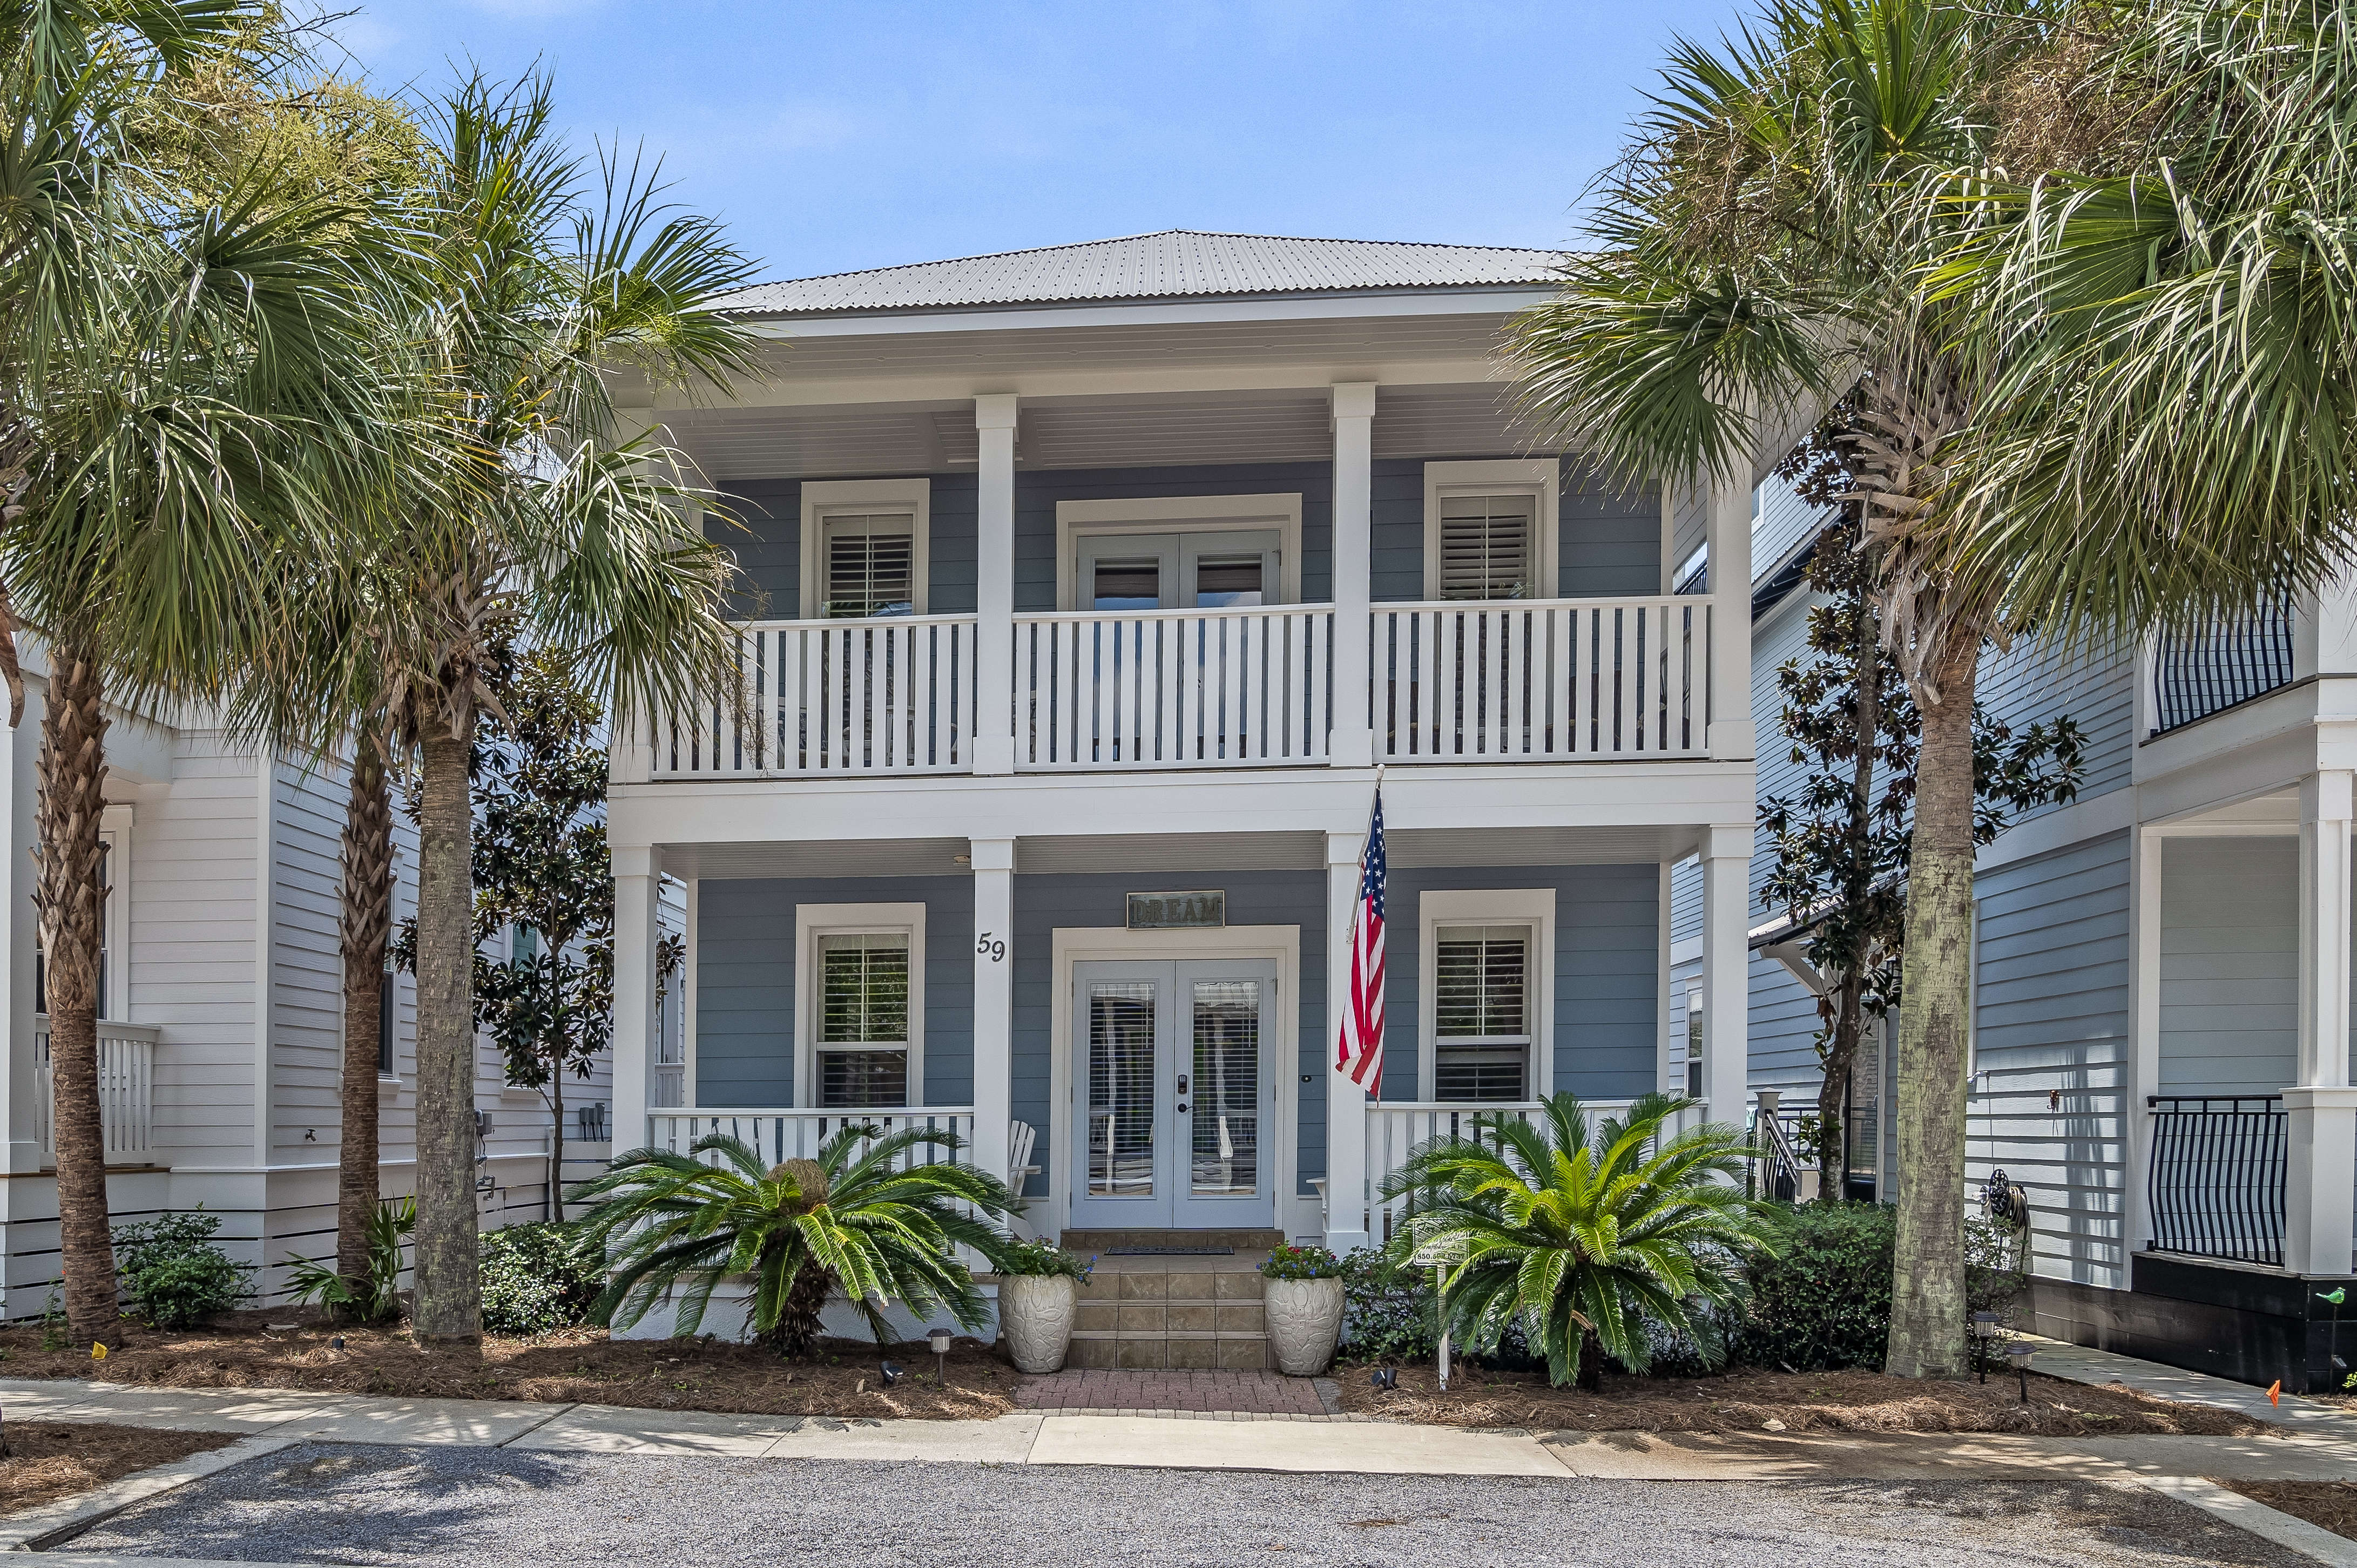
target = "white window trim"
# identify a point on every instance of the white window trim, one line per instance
(1296, 1216)
(1178, 515)
(813, 921)
(1533, 907)
(822, 498)
(1539, 476)
(114, 830)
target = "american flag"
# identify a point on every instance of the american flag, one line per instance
(1359, 1054)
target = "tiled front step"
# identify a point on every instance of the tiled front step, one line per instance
(1182, 1352)
(1177, 1318)
(1109, 1240)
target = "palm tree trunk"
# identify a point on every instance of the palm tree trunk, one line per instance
(450, 1289)
(1927, 1306)
(367, 921)
(71, 896)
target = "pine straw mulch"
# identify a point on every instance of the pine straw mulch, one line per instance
(52, 1460)
(1751, 1400)
(2332, 1503)
(585, 1367)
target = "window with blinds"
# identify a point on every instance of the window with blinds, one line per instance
(871, 564)
(1482, 1013)
(1485, 544)
(863, 1020)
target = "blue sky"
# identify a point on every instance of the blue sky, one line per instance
(835, 137)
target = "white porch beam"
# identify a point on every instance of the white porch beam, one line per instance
(993, 662)
(635, 934)
(1353, 557)
(1725, 971)
(2322, 1107)
(994, 1000)
(1346, 1102)
(1731, 622)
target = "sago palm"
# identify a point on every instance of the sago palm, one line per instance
(187, 391)
(1761, 250)
(1586, 1235)
(870, 1215)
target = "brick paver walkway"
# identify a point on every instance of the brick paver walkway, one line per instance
(1191, 1393)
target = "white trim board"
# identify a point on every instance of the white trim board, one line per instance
(822, 497)
(1178, 515)
(813, 921)
(1539, 476)
(1069, 945)
(1533, 906)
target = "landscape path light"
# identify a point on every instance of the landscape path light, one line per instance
(1984, 1331)
(940, 1338)
(2019, 1355)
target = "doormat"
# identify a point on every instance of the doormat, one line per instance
(1169, 1253)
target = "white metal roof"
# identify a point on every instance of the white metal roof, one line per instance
(1174, 264)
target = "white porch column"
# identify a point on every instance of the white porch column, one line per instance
(1731, 621)
(1354, 419)
(635, 886)
(1346, 1102)
(1725, 968)
(2324, 630)
(994, 999)
(994, 592)
(2322, 1107)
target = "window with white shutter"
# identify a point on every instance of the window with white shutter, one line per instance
(863, 1020)
(1485, 544)
(869, 560)
(1482, 1013)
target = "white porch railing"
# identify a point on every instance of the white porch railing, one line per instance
(1395, 1128)
(891, 695)
(798, 1134)
(1541, 681)
(1237, 688)
(127, 1089)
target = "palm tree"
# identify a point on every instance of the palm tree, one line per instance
(1763, 245)
(2166, 295)
(540, 522)
(1581, 1237)
(185, 394)
(865, 1216)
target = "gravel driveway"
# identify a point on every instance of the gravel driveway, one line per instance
(489, 1508)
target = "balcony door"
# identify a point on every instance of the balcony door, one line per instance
(1190, 569)
(1174, 1094)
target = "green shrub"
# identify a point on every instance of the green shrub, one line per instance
(172, 1275)
(1386, 1308)
(538, 1277)
(376, 1294)
(1825, 1300)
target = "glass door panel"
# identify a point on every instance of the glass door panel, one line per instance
(1122, 1078)
(1227, 1102)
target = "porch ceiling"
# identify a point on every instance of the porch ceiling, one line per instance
(2277, 811)
(1149, 430)
(831, 857)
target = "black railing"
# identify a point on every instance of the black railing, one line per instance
(2217, 1182)
(2197, 674)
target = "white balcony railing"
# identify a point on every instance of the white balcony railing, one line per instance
(799, 1133)
(891, 695)
(1236, 688)
(1395, 1128)
(1539, 682)
(127, 1089)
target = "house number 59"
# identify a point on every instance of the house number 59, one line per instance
(996, 951)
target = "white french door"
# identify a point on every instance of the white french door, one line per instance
(1174, 1088)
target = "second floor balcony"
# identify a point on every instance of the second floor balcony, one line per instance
(1585, 680)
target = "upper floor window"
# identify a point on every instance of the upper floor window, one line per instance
(1482, 1013)
(1485, 547)
(870, 563)
(865, 548)
(1178, 553)
(863, 1020)
(1489, 529)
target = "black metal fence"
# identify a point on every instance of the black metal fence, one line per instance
(2197, 674)
(2217, 1182)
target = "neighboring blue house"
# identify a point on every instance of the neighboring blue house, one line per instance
(2162, 1014)
(1086, 590)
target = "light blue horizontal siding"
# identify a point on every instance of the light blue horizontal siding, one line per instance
(2035, 683)
(1037, 493)
(2229, 965)
(745, 982)
(764, 532)
(1608, 537)
(1781, 522)
(2052, 1013)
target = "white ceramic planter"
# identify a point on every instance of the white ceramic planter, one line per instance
(1305, 1319)
(1035, 1312)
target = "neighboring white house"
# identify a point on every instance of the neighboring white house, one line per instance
(1086, 590)
(222, 1012)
